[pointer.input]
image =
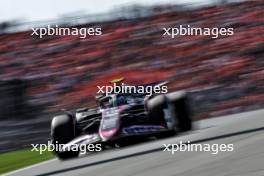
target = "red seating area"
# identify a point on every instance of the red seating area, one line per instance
(65, 70)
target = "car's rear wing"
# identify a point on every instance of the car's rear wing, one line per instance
(155, 84)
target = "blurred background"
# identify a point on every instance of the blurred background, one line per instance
(39, 77)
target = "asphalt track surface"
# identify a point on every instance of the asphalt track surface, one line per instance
(245, 131)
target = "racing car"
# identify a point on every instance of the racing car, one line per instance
(120, 117)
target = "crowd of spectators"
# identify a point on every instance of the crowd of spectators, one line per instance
(223, 75)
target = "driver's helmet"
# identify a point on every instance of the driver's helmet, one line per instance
(118, 81)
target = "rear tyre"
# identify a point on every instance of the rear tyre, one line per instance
(155, 108)
(182, 112)
(63, 131)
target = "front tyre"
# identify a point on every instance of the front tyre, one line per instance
(63, 131)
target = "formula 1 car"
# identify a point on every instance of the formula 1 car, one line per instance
(119, 117)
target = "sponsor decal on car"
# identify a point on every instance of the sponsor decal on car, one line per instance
(139, 129)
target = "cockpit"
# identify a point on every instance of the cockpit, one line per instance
(115, 100)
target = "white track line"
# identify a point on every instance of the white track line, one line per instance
(28, 167)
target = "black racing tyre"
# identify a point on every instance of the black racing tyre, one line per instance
(155, 108)
(181, 105)
(63, 131)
